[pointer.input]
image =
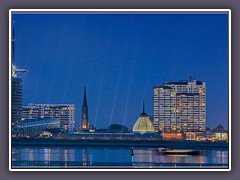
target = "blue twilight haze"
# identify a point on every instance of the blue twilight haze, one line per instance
(120, 57)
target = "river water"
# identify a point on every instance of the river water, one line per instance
(112, 157)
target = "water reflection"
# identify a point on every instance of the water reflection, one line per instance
(97, 156)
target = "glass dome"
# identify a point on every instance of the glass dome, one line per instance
(143, 124)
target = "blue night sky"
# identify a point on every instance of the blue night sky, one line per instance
(120, 57)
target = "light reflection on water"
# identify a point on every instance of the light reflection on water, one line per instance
(86, 156)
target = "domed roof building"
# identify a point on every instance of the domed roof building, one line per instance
(143, 124)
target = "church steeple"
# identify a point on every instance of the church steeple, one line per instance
(85, 97)
(85, 124)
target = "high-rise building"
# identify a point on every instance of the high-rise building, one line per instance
(180, 106)
(16, 113)
(16, 93)
(85, 124)
(65, 113)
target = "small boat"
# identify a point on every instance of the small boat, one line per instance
(178, 151)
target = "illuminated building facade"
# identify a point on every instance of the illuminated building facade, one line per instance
(180, 106)
(31, 111)
(172, 136)
(65, 113)
(85, 124)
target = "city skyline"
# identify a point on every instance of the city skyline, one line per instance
(115, 94)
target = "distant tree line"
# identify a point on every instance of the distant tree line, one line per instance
(114, 128)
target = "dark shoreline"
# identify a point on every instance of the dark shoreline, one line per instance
(118, 143)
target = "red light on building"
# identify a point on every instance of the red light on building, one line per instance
(172, 136)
